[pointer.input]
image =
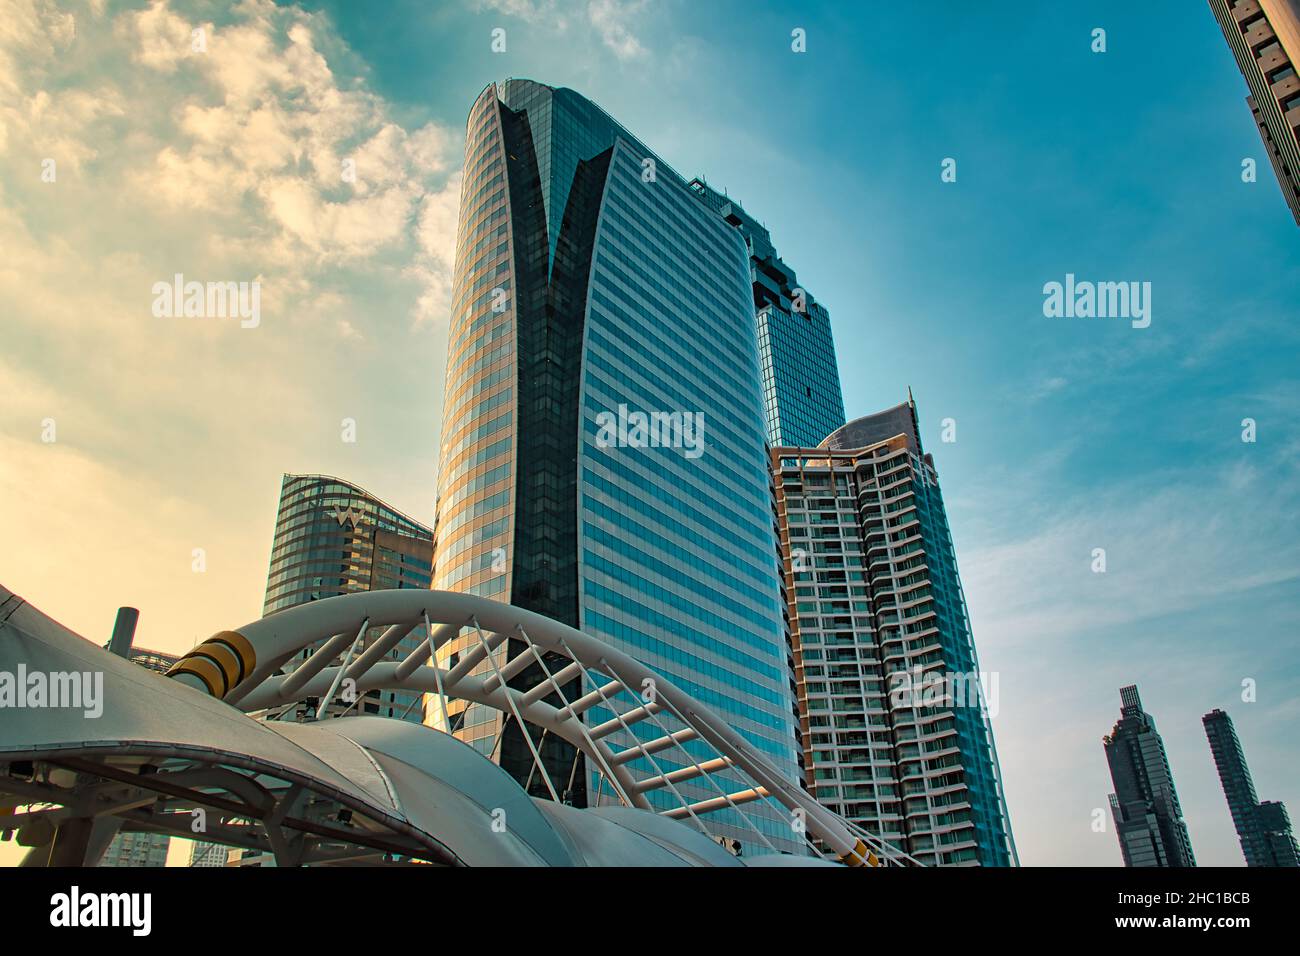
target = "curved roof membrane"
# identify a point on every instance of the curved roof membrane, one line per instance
(111, 745)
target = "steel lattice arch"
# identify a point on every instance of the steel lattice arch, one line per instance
(206, 742)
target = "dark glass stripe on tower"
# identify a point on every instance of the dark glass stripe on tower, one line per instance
(584, 285)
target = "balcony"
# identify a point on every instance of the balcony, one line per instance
(1244, 10)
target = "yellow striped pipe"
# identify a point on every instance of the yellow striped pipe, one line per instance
(860, 855)
(218, 665)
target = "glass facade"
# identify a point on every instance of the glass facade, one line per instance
(591, 285)
(893, 714)
(333, 538)
(801, 380)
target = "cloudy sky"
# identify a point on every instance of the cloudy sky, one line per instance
(128, 156)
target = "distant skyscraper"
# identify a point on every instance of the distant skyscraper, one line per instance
(894, 726)
(158, 661)
(1237, 785)
(137, 849)
(209, 854)
(1265, 39)
(594, 295)
(1276, 826)
(1264, 829)
(801, 379)
(333, 538)
(1148, 818)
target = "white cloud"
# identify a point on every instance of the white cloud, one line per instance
(31, 31)
(531, 11)
(271, 124)
(227, 166)
(1171, 545)
(437, 239)
(610, 20)
(162, 39)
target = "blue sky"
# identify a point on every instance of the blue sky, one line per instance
(1072, 434)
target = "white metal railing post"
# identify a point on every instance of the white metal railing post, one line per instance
(605, 768)
(437, 673)
(631, 733)
(514, 709)
(338, 678)
(725, 796)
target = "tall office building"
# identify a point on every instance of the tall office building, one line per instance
(333, 538)
(892, 705)
(603, 453)
(1148, 817)
(1265, 39)
(1263, 828)
(796, 352)
(1238, 787)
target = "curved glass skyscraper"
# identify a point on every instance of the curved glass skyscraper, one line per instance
(796, 351)
(603, 455)
(333, 537)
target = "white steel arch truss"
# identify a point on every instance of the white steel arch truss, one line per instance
(243, 667)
